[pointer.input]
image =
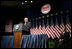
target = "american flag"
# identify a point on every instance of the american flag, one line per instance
(47, 28)
(53, 29)
(43, 30)
(49, 31)
(33, 30)
(43, 27)
(57, 29)
(36, 29)
(68, 25)
(40, 30)
(61, 25)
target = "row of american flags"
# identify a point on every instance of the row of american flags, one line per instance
(54, 29)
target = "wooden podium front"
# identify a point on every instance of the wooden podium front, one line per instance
(17, 30)
(17, 39)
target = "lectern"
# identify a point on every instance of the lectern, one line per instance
(17, 30)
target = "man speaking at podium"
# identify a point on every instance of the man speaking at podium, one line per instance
(26, 26)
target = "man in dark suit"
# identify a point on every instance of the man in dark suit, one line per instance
(26, 26)
(64, 38)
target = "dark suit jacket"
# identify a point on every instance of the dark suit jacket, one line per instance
(26, 28)
(65, 36)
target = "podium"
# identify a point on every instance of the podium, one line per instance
(17, 30)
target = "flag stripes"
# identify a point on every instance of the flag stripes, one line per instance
(53, 31)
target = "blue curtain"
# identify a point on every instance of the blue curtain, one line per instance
(7, 42)
(34, 41)
(28, 13)
(28, 41)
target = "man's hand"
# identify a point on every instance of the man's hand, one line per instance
(60, 40)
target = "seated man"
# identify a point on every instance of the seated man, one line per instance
(26, 26)
(64, 38)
